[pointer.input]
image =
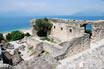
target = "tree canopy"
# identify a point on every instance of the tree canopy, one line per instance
(42, 26)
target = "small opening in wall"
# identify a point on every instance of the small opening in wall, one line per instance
(54, 27)
(70, 30)
(61, 28)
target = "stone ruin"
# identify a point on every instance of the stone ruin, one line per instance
(70, 37)
(66, 29)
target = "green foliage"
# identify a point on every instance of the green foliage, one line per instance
(42, 26)
(88, 31)
(45, 38)
(8, 37)
(1, 37)
(15, 35)
(27, 34)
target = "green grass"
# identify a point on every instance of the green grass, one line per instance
(46, 38)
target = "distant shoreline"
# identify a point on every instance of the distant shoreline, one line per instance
(25, 30)
(15, 30)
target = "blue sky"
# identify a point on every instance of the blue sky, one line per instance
(50, 7)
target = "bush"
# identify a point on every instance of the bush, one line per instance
(15, 35)
(1, 37)
(8, 37)
(42, 26)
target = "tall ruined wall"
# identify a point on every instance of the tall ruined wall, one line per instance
(65, 30)
(32, 22)
(97, 31)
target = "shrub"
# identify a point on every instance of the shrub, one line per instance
(8, 37)
(42, 26)
(15, 35)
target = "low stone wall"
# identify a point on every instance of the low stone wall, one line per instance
(51, 47)
(31, 41)
(47, 46)
(79, 44)
(64, 49)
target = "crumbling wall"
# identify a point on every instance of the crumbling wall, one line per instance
(97, 31)
(72, 47)
(66, 31)
(78, 45)
(51, 47)
(31, 41)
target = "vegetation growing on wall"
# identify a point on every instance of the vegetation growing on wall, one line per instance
(46, 38)
(89, 31)
(43, 26)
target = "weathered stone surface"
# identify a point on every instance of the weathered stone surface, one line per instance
(16, 57)
(44, 62)
(90, 59)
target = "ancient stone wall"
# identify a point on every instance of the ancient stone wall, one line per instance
(66, 31)
(78, 45)
(47, 46)
(97, 31)
(66, 48)
(31, 41)
(51, 48)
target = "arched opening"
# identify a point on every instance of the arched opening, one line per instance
(88, 29)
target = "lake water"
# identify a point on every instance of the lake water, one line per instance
(14, 23)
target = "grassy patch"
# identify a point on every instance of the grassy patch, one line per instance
(46, 38)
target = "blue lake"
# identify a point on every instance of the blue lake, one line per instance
(13, 23)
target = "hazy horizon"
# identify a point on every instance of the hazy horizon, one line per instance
(51, 8)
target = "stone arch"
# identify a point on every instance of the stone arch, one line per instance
(87, 28)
